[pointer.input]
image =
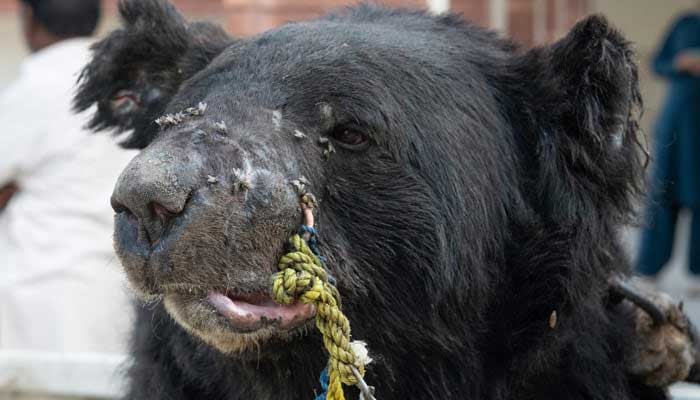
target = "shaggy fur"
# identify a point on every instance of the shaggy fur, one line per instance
(488, 198)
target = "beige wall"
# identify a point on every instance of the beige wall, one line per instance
(645, 22)
(11, 48)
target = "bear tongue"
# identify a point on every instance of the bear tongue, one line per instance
(253, 312)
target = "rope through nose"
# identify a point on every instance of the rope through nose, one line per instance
(302, 277)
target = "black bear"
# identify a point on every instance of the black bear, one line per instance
(469, 193)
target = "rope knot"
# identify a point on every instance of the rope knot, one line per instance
(302, 277)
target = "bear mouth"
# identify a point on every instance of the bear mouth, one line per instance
(239, 322)
(251, 312)
(235, 313)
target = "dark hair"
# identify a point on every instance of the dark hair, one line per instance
(66, 18)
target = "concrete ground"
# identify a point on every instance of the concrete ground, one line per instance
(25, 396)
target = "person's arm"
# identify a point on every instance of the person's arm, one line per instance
(665, 61)
(6, 193)
(8, 157)
(23, 120)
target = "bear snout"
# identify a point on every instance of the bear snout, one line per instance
(181, 222)
(154, 189)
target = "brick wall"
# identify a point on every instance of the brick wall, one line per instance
(247, 17)
(477, 11)
(192, 7)
(539, 21)
(187, 6)
(530, 22)
(8, 5)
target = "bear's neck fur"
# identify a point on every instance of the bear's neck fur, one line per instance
(187, 368)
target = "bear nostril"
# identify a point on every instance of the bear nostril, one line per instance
(163, 213)
(119, 207)
(152, 193)
(151, 218)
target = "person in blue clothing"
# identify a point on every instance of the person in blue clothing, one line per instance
(675, 180)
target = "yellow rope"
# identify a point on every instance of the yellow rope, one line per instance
(302, 277)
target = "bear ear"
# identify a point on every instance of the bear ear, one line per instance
(137, 69)
(583, 104)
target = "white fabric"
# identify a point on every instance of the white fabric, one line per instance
(61, 288)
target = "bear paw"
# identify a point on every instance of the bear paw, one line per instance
(664, 345)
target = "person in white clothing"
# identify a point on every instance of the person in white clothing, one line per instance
(61, 289)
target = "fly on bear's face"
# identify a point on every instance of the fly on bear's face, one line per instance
(201, 219)
(468, 192)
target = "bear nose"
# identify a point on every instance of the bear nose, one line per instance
(154, 217)
(154, 190)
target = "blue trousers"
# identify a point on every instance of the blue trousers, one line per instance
(658, 237)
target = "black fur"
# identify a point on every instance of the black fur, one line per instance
(489, 198)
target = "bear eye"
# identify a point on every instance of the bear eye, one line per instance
(350, 138)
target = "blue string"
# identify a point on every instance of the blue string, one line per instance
(313, 245)
(313, 237)
(324, 379)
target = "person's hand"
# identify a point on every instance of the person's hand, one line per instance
(688, 62)
(6, 193)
